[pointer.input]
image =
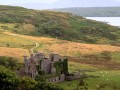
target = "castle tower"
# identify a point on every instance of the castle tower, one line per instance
(54, 57)
(53, 69)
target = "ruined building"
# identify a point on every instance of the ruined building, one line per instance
(55, 67)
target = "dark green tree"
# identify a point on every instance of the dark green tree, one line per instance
(8, 79)
(47, 86)
(40, 78)
(27, 83)
(8, 62)
(12, 62)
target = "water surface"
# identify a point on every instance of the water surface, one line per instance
(115, 21)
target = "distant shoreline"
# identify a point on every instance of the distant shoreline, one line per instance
(114, 21)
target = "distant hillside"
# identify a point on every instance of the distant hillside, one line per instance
(93, 11)
(56, 24)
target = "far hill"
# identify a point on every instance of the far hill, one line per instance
(56, 24)
(93, 11)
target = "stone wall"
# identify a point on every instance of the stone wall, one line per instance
(39, 61)
(73, 76)
(46, 66)
(54, 57)
(57, 79)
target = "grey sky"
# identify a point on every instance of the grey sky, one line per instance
(48, 4)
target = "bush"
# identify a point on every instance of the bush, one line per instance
(8, 79)
(47, 86)
(27, 83)
(106, 55)
(5, 27)
(8, 62)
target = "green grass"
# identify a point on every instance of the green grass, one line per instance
(15, 42)
(108, 78)
(116, 56)
(98, 79)
(57, 24)
(74, 66)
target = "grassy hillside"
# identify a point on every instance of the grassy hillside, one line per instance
(13, 52)
(66, 48)
(15, 42)
(23, 31)
(47, 45)
(93, 11)
(56, 24)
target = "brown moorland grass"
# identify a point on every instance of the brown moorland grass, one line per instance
(75, 48)
(13, 52)
(67, 48)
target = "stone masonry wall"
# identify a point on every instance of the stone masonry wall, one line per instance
(57, 79)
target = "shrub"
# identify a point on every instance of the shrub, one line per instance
(106, 55)
(8, 79)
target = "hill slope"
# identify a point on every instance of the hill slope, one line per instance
(13, 52)
(93, 11)
(56, 24)
(53, 45)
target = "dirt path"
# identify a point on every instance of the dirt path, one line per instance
(36, 46)
(17, 35)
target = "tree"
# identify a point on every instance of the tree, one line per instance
(8, 79)
(40, 78)
(8, 62)
(47, 86)
(27, 83)
(43, 85)
(12, 62)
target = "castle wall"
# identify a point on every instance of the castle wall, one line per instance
(53, 69)
(54, 57)
(73, 76)
(57, 79)
(46, 66)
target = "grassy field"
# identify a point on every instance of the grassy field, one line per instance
(116, 56)
(13, 52)
(63, 47)
(97, 79)
(15, 42)
(14, 46)
(67, 48)
(74, 66)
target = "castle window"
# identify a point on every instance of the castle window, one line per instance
(62, 72)
(29, 68)
(31, 75)
(59, 78)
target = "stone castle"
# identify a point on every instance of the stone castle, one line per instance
(55, 67)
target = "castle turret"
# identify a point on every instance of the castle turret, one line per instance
(26, 64)
(54, 57)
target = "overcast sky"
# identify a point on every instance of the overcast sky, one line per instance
(49, 4)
